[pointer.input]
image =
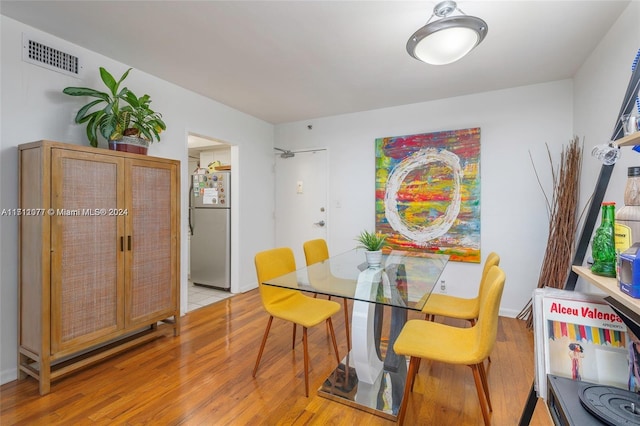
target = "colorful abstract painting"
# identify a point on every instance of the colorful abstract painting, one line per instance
(428, 193)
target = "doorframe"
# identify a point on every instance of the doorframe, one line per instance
(235, 218)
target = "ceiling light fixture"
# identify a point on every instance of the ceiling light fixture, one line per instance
(448, 39)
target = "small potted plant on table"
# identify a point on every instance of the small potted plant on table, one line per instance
(373, 242)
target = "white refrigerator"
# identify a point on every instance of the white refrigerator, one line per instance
(210, 227)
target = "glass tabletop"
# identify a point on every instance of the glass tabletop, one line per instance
(405, 279)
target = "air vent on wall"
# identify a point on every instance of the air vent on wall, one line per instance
(38, 53)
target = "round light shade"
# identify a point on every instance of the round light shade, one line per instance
(447, 40)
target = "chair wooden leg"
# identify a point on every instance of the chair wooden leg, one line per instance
(306, 361)
(485, 384)
(481, 394)
(413, 368)
(264, 340)
(415, 373)
(333, 339)
(293, 345)
(346, 321)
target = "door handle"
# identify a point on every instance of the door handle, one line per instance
(320, 224)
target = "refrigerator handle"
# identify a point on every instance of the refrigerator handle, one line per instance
(191, 218)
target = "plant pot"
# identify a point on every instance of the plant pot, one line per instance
(374, 258)
(130, 144)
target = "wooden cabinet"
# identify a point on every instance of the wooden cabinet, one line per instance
(99, 255)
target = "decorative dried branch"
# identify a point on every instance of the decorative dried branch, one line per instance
(563, 221)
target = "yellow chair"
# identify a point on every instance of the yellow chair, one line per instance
(290, 305)
(316, 251)
(455, 345)
(458, 307)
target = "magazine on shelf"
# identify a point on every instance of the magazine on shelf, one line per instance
(580, 337)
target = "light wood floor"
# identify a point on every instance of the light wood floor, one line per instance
(203, 377)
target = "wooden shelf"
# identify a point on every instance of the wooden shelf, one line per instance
(609, 286)
(631, 140)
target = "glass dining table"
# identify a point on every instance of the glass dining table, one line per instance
(372, 376)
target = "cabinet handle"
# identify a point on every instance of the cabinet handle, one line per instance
(129, 242)
(121, 243)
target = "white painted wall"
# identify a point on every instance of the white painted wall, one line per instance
(33, 108)
(513, 123)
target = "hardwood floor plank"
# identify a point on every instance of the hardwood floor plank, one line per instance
(203, 377)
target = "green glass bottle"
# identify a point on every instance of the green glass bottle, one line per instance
(603, 248)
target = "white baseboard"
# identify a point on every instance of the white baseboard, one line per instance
(7, 376)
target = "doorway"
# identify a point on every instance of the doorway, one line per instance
(202, 153)
(301, 199)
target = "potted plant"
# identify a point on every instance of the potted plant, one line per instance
(373, 242)
(125, 120)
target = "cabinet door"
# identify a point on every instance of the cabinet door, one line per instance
(87, 282)
(152, 237)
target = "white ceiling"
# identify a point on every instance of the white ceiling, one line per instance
(284, 61)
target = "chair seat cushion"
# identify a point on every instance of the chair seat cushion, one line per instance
(303, 310)
(454, 345)
(452, 307)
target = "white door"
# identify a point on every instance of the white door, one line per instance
(301, 200)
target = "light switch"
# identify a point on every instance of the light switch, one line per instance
(299, 187)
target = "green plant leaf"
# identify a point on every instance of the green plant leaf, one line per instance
(111, 108)
(131, 99)
(83, 111)
(371, 241)
(91, 131)
(125, 120)
(145, 100)
(108, 127)
(123, 93)
(145, 132)
(85, 91)
(108, 80)
(126, 73)
(96, 115)
(158, 125)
